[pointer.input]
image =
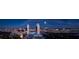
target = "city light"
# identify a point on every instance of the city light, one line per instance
(40, 28)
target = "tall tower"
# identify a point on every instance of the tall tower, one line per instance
(28, 29)
(38, 28)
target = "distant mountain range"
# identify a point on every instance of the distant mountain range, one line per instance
(52, 23)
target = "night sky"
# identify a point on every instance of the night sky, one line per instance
(53, 23)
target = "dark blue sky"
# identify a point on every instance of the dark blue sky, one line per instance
(68, 23)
